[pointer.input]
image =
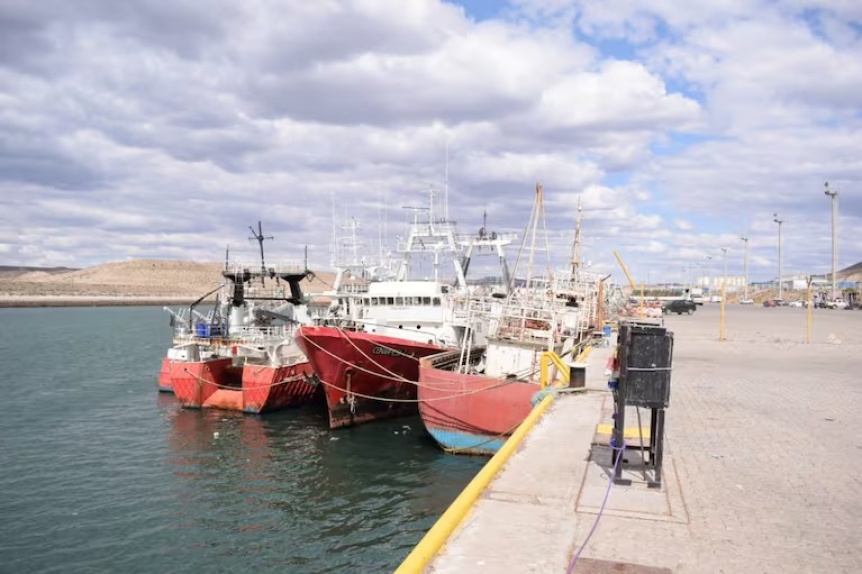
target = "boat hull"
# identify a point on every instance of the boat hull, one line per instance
(218, 384)
(165, 384)
(472, 414)
(365, 376)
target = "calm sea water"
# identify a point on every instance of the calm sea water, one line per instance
(101, 473)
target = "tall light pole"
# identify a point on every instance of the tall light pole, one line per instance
(745, 268)
(724, 255)
(834, 195)
(780, 286)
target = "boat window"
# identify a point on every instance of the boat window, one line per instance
(399, 300)
(426, 300)
(390, 300)
(436, 301)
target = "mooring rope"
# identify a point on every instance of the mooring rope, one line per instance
(375, 363)
(417, 401)
(394, 377)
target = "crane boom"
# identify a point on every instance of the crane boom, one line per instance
(626, 271)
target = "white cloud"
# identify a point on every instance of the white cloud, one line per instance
(163, 130)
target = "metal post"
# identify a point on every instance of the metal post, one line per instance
(745, 268)
(834, 195)
(808, 312)
(780, 286)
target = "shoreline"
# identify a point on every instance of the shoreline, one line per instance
(23, 301)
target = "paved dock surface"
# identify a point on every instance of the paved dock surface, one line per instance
(763, 464)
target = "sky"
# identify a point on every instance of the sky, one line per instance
(151, 129)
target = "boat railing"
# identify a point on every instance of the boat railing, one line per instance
(287, 266)
(204, 334)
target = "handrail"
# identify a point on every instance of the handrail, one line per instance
(551, 357)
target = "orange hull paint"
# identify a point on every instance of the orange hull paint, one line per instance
(251, 388)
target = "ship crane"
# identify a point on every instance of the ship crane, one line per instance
(630, 278)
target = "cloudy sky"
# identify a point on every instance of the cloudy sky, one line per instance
(163, 129)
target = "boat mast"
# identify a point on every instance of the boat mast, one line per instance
(446, 184)
(576, 247)
(260, 239)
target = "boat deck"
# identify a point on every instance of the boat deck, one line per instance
(761, 470)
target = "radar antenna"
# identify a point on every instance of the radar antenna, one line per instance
(258, 235)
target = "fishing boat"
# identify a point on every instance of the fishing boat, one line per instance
(474, 408)
(242, 355)
(368, 359)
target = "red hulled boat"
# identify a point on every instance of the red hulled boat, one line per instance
(472, 414)
(252, 388)
(242, 354)
(366, 376)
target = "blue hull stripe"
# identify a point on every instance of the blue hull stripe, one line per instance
(467, 442)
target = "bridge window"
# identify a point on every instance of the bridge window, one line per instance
(375, 301)
(436, 301)
(390, 300)
(426, 300)
(399, 300)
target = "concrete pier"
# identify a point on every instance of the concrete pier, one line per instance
(762, 470)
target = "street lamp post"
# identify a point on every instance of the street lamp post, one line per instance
(724, 255)
(745, 268)
(780, 286)
(834, 195)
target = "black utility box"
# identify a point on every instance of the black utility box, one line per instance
(645, 355)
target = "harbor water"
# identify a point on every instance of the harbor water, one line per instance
(101, 473)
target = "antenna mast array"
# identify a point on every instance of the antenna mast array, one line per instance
(258, 235)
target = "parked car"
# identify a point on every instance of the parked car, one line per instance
(770, 303)
(836, 304)
(715, 299)
(679, 307)
(795, 304)
(746, 301)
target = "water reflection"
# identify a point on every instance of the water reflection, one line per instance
(303, 497)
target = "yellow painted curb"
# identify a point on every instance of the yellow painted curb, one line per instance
(435, 538)
(629, 432)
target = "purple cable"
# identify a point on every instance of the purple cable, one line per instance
(601, 510)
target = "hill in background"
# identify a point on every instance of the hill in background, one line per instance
(852, 273)
(140, 277)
